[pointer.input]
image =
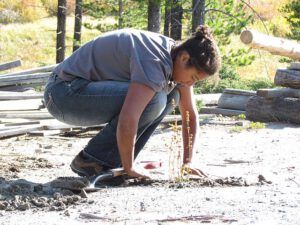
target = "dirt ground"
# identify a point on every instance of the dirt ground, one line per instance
(254, 178)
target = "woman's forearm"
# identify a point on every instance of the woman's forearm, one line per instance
(126, 135)
(190, 128)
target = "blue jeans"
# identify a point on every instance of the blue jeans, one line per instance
(86, 103)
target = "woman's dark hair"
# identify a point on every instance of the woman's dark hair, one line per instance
(203, 51)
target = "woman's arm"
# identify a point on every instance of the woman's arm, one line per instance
(137, 98)
(190, 122)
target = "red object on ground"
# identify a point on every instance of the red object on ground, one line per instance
(152, 165)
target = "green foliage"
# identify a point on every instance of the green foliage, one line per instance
(230, 79)
(134, 14)
(292, 11)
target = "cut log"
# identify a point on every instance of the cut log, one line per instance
(274, 45)
(10, 65)
(31, 71)
(239, 92)
(279, 92)
(10, 95)
(208, 99)
(224, 112)
(294, 66)
(287, 78)
(18, 105)
(273, 109)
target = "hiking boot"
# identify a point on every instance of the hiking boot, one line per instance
(86, 166)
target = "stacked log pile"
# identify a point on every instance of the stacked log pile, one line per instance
(279, 104)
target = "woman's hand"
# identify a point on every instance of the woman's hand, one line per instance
(190, 169)
(134, 173)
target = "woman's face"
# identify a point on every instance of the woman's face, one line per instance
(184, 74)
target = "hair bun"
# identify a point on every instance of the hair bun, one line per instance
(203, 31)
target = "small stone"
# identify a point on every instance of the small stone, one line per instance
(3, 205)
(47, 146)
(67, 213)
(69, 145)
(57, 195)
(24, 206)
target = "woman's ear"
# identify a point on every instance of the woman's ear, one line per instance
(184, 56)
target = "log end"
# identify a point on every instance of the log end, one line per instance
(246, 37)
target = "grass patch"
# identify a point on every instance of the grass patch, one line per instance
(252, 126)
(35, 43)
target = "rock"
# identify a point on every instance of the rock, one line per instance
(24, 206)
(3, 205)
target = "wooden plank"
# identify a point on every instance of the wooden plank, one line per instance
(274, 45)
(208, 99)
(26, 115)
(18, 105)
(287, 78)
(239, 92)
(10, 65)
(24, 79)
(44, 133)
(273, 109)
(21, 123)
(10, 95)
(278, 92)
(19, 131)
(294, 66)
(233, 101)
(224, 112)
(34, 70)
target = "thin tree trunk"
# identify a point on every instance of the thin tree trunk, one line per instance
(61, 30)
(120, 25)
(154, 15)
(167, 18)
(198, 16)
(77, 28)
(176, 19)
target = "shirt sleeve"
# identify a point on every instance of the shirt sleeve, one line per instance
(149, 72)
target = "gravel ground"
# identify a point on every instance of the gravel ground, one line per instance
(253, 179)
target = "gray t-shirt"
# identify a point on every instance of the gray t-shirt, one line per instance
(123, 55)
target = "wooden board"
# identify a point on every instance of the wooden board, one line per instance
(10, 65)
(273, 109)
(12, 95)
(287, 78)
(19, 130)
(24, 79)
(34, 70)
(18, 105)
(278, 92)
(224, 112)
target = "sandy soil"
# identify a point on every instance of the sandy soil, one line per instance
(29, 165)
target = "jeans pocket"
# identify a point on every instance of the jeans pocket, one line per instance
(53, 109)
(78, 85)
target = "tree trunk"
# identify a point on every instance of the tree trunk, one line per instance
(176, 19)
(154, 15)
(77, 28)
(167, 18)
(278, 92)
(120, 25)
(198, 16)
(277, 46)
(61, 30)
(273, 109)
(287, 78)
